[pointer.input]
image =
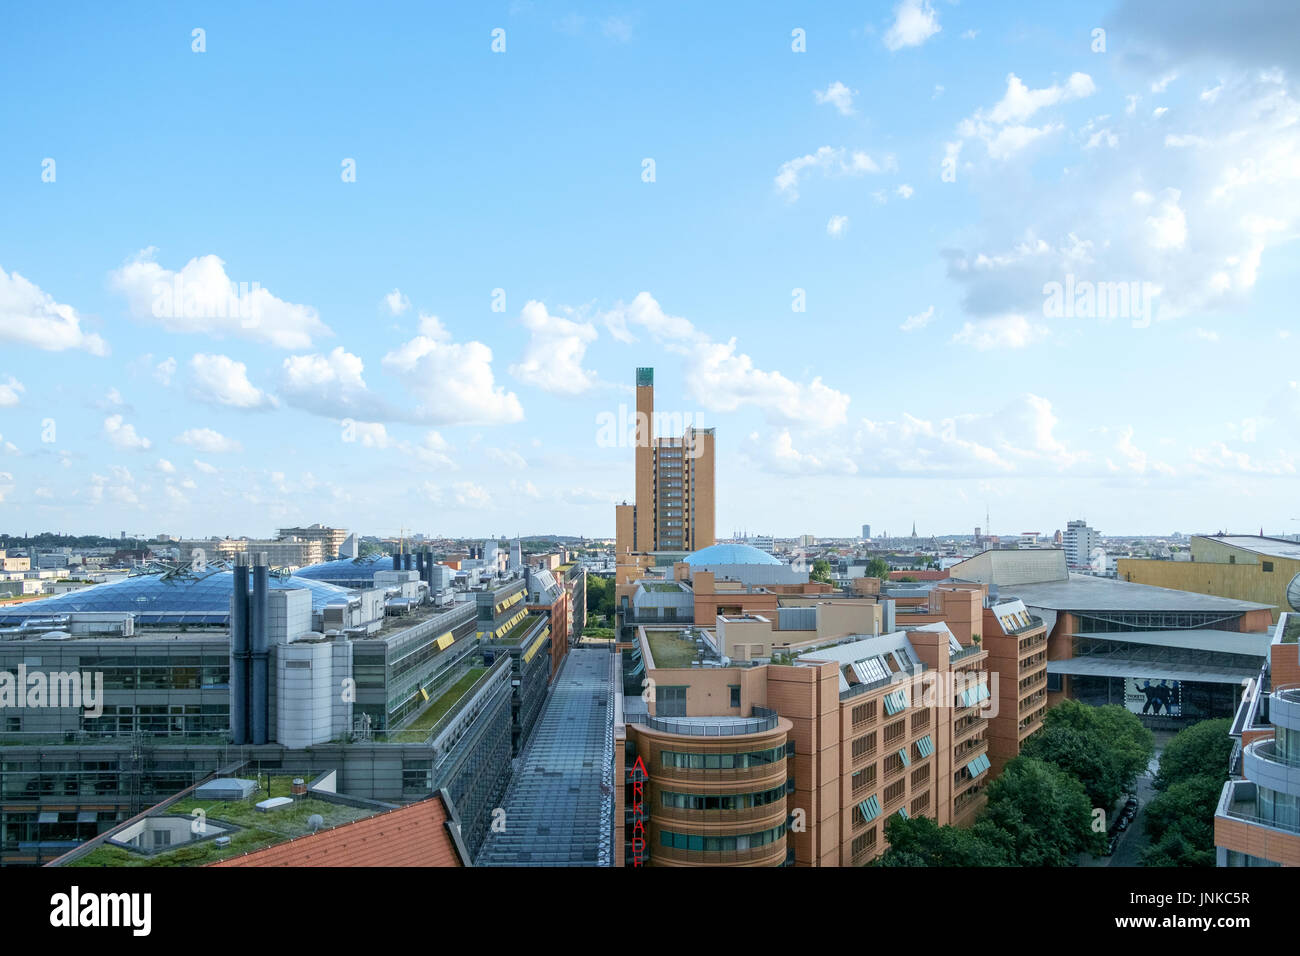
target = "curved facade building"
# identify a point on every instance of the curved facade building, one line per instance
(1257, 822)
(348, 572)
(717, 789)
(166, 598)
(724, 555)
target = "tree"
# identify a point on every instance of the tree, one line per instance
(919, 841)
(821, 571)
(877, 568)
(1044, 811)
(1104, 747)
(1084, 755)
(1202, 749)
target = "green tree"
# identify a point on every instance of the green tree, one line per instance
(1044, 811)
(920, 841)
(1105, 747)
(821, 571)
(1082, 754)
(877, 568)
(1202, 749)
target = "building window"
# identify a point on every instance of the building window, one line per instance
(670, 701)
(1268, 565)
(735, 694)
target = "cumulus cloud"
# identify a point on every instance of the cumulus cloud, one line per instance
(838, 95)
(123, 435)
(30, 316)
(332, 385)
(397, 303)
(207, 440)
(453, 383)
(1197, 245)
(220, 380)
(831, 161)
(202, 298)
(918, 321)
(837, 227)
(721, 377)
(915, 21)
(10, 392)
(552, 360)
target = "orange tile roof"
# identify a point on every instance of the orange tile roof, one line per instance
(414, 835)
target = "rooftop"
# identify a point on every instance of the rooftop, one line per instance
(1085, 592)
(560, 802)
(256, 829)
(723, 554)
(1268, 547)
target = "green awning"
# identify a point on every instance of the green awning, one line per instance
(978, 765)
(925, 746)
(895, 702)
(902, 755)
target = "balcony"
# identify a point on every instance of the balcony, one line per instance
(1263, 765)
(714, 726)
(1239, 801)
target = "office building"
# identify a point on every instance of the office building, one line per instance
(1079, 540)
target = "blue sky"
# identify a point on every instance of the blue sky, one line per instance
(375, 387)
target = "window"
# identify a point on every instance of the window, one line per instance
(1268, 565)
(670, 701)
(735, 694)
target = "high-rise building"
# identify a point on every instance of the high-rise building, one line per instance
(866, 531)
(674, 508)
(1079, 542)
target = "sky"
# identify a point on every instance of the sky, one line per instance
(392, 267)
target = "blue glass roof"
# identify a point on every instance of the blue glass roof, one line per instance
(159, 598)
(349, 569)
(719, 554)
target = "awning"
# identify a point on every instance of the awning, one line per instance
(978, 765)
(902, 755)
(870, 808)
(925, 746)
(1109, 666)
(895, 702)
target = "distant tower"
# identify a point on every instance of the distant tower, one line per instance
(913, 529)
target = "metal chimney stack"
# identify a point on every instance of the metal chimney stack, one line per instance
(239, 653)
(261, 647)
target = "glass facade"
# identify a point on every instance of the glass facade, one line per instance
(201, 598)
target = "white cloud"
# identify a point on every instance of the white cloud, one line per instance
(396, 302)
(918, 321)
(837, 227)
(220, 380)
(166, 466)
(1003, 332)
(207, 440)
(202, 298)
(556, 348)
(1004, 129)
(164, 370)
(123, 435)
(838, 95)
(29, 316)
(831, 161)
(332, 385)
(10, 392)
(453, 383)
(204, 467)
(506, 457)
(905, 191)
(723, 379)
(915, 21)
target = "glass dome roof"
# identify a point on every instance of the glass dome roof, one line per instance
(347, 568)
(162, 597)
(718, 554)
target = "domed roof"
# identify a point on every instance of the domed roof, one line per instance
(719, 554)
(178, 597)
(349, 568)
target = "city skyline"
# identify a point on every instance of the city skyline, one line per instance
(876, 265)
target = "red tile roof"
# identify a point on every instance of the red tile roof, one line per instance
(415, 835)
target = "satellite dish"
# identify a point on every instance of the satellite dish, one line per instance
(1293, 593)
(315, 821)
